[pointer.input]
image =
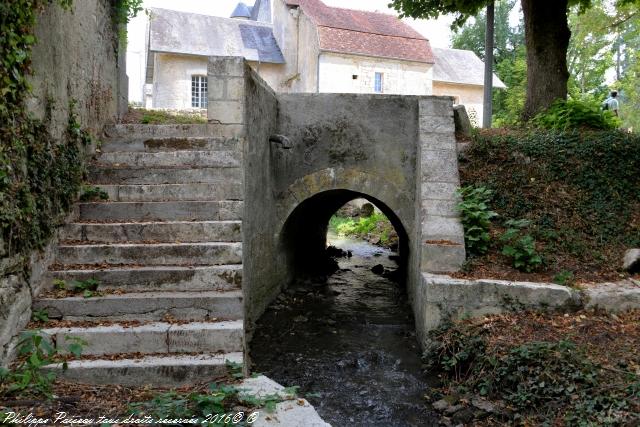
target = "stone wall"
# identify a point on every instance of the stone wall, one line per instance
(75, 59)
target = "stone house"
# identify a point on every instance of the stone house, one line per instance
(305, 46)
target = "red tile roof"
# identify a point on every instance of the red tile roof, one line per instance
(366, 33)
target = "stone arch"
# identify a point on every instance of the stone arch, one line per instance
(311, 200)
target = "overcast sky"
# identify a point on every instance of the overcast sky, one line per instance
(438, 31)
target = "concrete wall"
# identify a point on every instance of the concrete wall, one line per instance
(468, 95)
(306, 155)
(399, 77)
(75, 59)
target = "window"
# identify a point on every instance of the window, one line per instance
(199, 98)
(354, 77)
(378, 83)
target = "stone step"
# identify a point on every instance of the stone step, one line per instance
(162, 211)
(158, 278)
(169, 232)
(152, 338)
(176, 143)
(109, 175)
(156, 371)
(210, 253)
(219, 159)
(174, 192)
(146, 306)
(140, 131)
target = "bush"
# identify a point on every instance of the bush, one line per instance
(377, 223)
(476, 218)
(520, 247)
(563, 115)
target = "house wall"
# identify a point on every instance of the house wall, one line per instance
(172, 79)
(297, 37)
(471, 96)
(399, 77)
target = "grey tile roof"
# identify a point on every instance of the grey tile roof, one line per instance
(261, 11)
(241, 11)
(460, 67)
(192, 34)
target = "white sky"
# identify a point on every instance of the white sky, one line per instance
(437, 31)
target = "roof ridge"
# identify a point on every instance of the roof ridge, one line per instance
(422, 38)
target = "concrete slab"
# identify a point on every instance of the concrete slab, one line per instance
(146, 306)
(169, 232)
(159, 278)
(166, 192)
(176, 143)
(172, 159)
(157, 371)
(128, 176)
(290, 413)
(216, 253)
(162, 211)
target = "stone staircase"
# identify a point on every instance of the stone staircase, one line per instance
(166, 249)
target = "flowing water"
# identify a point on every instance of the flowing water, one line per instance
(349, 344)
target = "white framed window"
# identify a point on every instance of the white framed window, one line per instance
(199, 97)
(378, 83)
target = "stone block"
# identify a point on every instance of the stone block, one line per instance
(440, 166)
(15, 312)
(443, 228)
(443, 208)
(439, 191)
(438, 258)
(225, 66)
(226, 112)
(436, 124)
(438, 141)
(436, 106)
(235, 89)
(216, 89)
(461, 120)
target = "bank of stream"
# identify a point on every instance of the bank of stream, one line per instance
(349, 343)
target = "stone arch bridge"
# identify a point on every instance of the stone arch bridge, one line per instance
(205, 224)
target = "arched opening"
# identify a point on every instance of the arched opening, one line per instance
(346, 337)
(304, 234)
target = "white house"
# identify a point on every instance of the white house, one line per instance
(306, 46)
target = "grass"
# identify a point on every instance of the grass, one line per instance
(160, 117)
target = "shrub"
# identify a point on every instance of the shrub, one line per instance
(476, 218)
(377, 223)
(563, 115)
(520, 247)
(34, 352)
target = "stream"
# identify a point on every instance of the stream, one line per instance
(349, 344)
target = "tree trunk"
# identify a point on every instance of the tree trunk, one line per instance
(547, 37)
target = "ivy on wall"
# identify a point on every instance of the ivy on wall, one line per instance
(39, 176)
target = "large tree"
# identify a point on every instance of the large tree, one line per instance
(547, 38)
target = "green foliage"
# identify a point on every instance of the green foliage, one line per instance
(580, 190)
(218, 402)
(476, 218)
(88, 288)
(570, 114)
(158, 117)
(35, 351)
(564, 278)
(90, 193)
(531, 375)
(520, 247)
(362, 227)
(125, 10)
(40, 316)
